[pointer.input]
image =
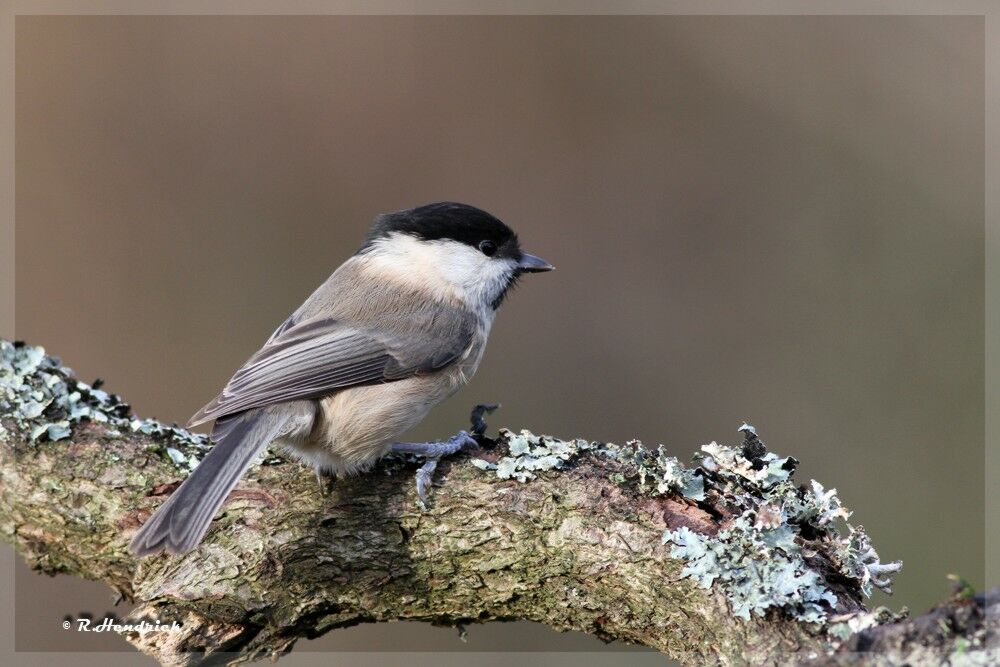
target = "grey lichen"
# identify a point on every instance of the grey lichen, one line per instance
(765, 555)
(762, 560)
(757, 569)
(44, 400)
(530, 453)
(657, 473)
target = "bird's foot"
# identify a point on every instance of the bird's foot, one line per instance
(435, 451)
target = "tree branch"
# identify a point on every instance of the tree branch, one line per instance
(724, 562)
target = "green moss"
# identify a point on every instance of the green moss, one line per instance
(961, 588)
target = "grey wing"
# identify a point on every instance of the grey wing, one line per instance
(283, 327)
(316, 357)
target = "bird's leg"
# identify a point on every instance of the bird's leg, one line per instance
(434, 451)
(324, 480)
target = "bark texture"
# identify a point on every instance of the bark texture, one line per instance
(577, 548)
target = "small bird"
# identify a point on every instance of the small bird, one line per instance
(396, 329)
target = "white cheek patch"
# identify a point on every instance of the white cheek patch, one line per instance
(459, 263)
(446, 267)
(481, 279)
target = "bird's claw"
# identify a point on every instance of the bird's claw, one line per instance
(478, 418)
(324, 483)
(425, 475)
(433, 452)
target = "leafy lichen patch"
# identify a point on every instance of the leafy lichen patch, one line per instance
(45, 401)
(779, 544)
(657, 473)
(530, 453)
(757, 569)
(766, 558)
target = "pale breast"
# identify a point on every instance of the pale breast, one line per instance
(357, 426)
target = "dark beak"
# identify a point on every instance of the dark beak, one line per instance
(531, 264)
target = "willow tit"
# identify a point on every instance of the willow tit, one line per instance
(399, 327)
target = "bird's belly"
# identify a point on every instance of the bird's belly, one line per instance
(357, 426)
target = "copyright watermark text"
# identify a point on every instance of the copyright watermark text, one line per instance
(110, 624)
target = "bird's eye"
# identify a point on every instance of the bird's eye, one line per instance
(488, 248)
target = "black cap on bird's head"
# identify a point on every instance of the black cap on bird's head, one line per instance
(451, 221)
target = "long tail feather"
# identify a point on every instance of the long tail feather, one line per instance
(181, 522)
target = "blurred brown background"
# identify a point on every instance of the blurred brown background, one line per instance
(768, 218)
